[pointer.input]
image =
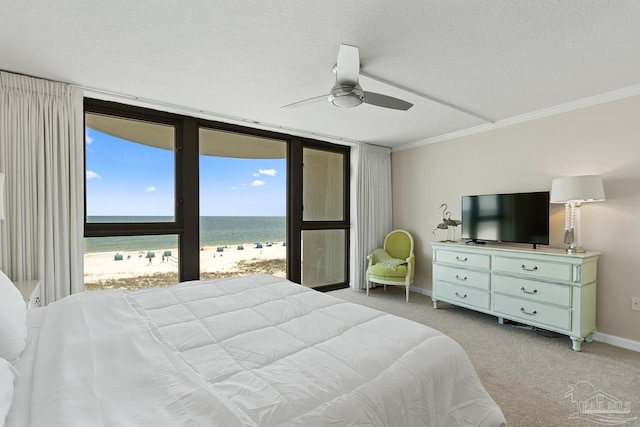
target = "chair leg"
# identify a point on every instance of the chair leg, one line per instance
(407, 294)
(385, 287)
(367, 287)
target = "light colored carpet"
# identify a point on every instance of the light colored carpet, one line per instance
(527, 373)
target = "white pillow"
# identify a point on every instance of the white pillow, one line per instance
(7, 375)
(13, 320)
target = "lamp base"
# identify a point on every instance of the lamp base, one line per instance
(575, 250)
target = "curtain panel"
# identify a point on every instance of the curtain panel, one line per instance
(41, 154)
(372, 205)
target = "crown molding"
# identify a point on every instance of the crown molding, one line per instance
(535, 115)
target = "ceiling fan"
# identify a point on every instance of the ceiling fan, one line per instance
(347, 93)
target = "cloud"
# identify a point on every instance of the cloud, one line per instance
(256, 174)
(257, 183)
(88, 138)
(92, 175)
(150, 189)
(270, 172)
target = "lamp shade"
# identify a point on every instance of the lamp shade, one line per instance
(582, 189)
(1, 195)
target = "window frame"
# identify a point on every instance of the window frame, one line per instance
(187, 177)
(108, 229)
(299, 224)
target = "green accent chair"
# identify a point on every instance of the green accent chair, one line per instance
(394, 263)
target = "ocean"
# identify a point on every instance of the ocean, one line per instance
(214, 231)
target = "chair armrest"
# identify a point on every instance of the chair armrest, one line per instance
(372, 256)
(410, 266)
(372, 259)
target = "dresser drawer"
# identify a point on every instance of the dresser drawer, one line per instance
(532, 312)
(461, 276)
(534, 268)
(464, 259)
(535, 291)
(463, 295)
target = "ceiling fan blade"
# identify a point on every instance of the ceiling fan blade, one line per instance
(306, 101)
(386, 101)
(348, 65)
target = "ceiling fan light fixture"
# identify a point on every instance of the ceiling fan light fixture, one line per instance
(346, 96)
(346, 92)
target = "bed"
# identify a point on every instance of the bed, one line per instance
(250, 351)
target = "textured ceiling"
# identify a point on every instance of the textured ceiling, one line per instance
(241, 61)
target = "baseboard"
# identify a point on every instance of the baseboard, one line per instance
(598, 336)
(617, 341)
(422, 291)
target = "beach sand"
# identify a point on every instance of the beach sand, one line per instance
(101, 267)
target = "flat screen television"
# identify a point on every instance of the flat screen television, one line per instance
(512, 218)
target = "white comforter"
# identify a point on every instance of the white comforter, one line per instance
(256, 351)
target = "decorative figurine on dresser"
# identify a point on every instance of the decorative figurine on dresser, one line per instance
(448, 224)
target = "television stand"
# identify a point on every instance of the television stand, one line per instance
(545, 288)
(476, 242)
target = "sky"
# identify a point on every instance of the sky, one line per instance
(131, 179)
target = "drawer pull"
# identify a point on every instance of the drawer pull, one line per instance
(462, 279)
(461, 259)
(533, 313)
(461, 296)
(524, 267)
(535, 291)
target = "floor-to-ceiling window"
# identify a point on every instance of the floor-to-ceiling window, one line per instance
(243, 204)
(325, 216)
(131, 218)
(172, 198)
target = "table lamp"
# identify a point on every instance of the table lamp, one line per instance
(573, 191)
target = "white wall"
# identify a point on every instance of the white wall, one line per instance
(600, 140)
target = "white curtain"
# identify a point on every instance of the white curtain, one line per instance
(373, 208)
(41, 154)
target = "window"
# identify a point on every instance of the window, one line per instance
(242, 204)
(130, 170)
(130, 192)
(323, 194)
(166, 194)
